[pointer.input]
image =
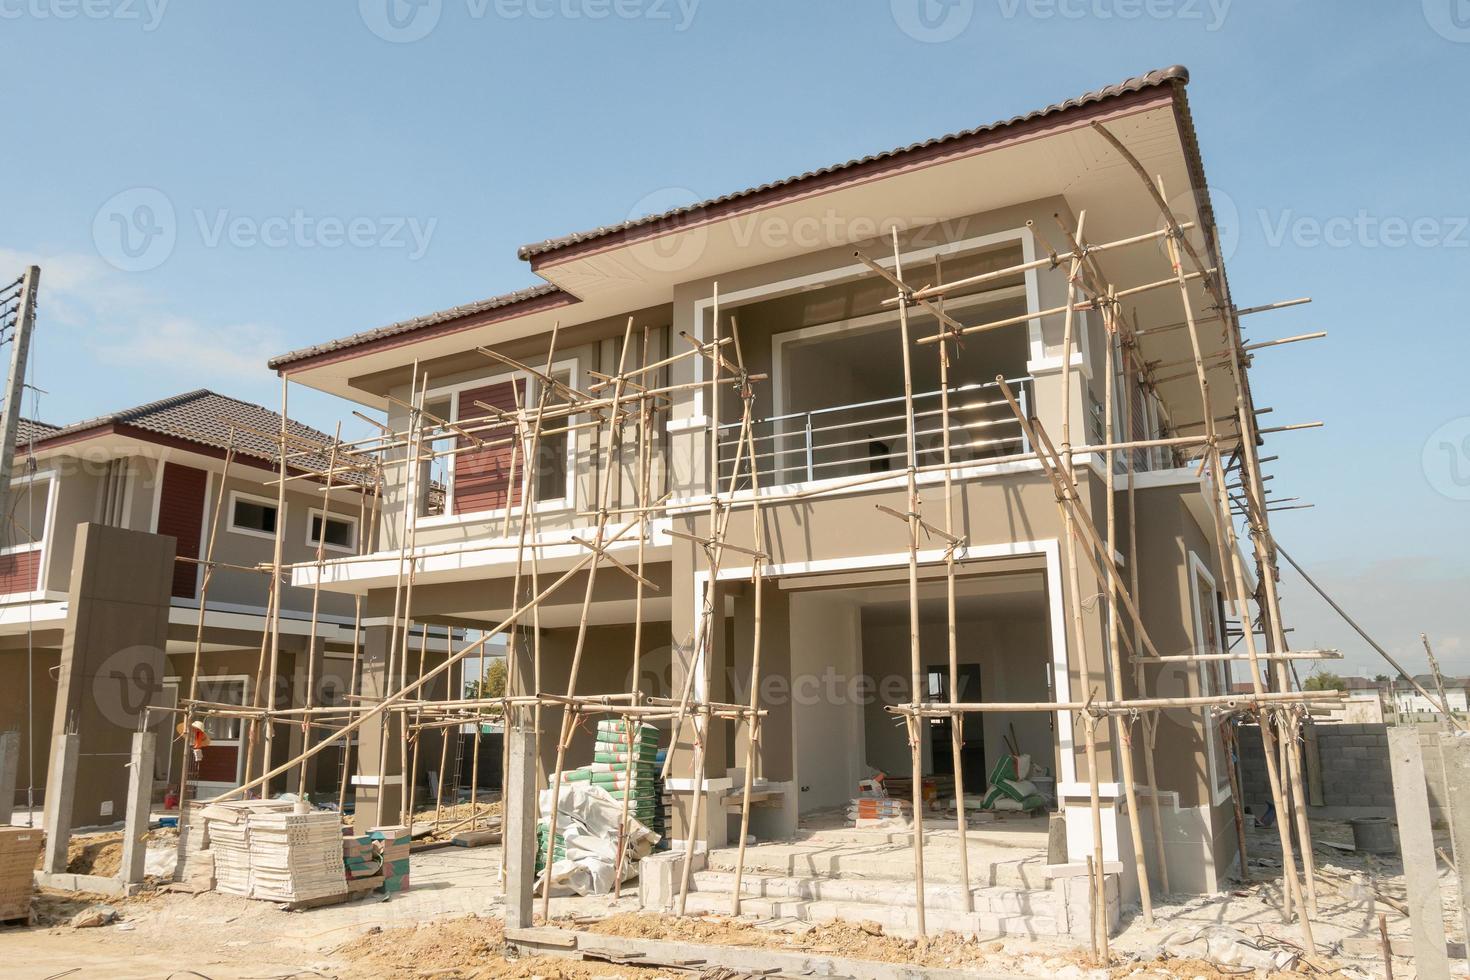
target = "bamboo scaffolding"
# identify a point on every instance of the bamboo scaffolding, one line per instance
(606, 411)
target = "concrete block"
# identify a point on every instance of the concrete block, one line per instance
(659, 877)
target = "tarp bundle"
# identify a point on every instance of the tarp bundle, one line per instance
(585, 853)
(1009, 788)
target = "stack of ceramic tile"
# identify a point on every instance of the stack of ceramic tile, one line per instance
(228, 827)
(295, 857)
(19, 848)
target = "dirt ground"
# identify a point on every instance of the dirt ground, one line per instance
(448, 927)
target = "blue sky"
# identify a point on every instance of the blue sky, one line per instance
(327, 173)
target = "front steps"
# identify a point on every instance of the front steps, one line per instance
(825, 881)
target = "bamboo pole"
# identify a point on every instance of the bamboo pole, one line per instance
(1123, 729)
(396, 697)
(956, 728)
(1225, 537)
(753, 732)
(187, 751)
(641, 466)
(1074, 589)
(563, 742)
(916, 667)
(316, 600)
(1148, 722)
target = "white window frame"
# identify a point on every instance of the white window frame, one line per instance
(238, 495)
(873, 321)
(238, 743)
(1198, 572)
(314, 512)
(449, 518)
(48, 527)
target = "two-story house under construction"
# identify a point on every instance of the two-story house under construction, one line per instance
(1067, 317)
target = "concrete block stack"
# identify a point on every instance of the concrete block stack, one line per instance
(19, 848)
(391, 844)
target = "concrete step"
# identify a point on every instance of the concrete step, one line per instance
(899, 920)
(999, 900)
(989, 866)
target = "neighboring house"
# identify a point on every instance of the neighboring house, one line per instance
(815, 320)
(160, 468)
(1413, 706)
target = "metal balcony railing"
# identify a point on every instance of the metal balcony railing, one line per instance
(869, 437)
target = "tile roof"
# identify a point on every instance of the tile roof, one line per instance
(30, 429)
(1164, 76)
(203, 417)
(1176, 75)
(417, 323)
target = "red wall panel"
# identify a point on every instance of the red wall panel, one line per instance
(181, 514)
(482, 478)
(19, 572)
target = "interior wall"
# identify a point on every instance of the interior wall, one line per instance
(826, 655)
(1013, 654)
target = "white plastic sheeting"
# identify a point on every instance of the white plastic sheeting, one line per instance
(588, 820)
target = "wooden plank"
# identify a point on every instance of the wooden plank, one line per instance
(1416, 844)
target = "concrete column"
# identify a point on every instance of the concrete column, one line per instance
(140, 796)
(1416, 844)
(1455, 753)
(379, 772)
(520, 827)
(61, 784)
(9, 765)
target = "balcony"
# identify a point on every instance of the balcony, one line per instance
(863, 438)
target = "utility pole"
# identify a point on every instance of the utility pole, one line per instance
(25, 322)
